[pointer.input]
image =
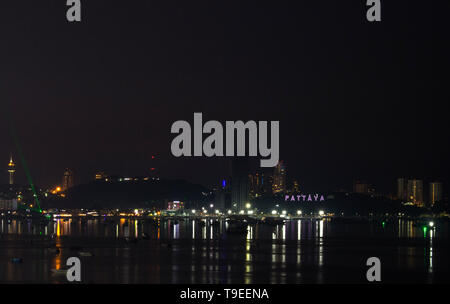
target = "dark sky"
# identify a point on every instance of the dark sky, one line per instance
(354, 99)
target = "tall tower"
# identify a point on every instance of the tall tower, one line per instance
(11, 170)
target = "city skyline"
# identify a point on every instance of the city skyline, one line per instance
(251, 183)
(354, 101)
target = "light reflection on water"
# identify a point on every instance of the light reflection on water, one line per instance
(200, 251)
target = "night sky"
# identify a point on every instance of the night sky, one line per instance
(355, 100)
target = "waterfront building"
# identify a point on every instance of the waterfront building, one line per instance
(415, 192)
(435, 192)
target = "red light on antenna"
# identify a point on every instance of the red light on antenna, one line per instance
(153, 156)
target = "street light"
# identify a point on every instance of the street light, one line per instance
(299, 212)
(321, 212)
(274, 212)
(248, 206)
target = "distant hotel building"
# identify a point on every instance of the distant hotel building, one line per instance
(67, 181)
(279, 178)
(258, 183)
(360, 187)
(8, 204)
(402, 189)
(415, 192)
(295, 187)
(435, 192)
(240, 168)
(100, 175)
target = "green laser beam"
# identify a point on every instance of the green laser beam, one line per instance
(25, 167)
(24, 163)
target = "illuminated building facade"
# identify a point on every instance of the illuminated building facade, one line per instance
(100, 176)
(8, 204)
(295, 187)
(279, 178)
(415, 192)
(175, 205)
(256, 184)
(435, 192)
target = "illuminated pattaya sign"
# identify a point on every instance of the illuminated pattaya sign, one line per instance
(304, 198)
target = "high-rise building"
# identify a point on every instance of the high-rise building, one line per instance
(239, 183)
(435, 192)
(415, 192)
(100, 175)
(402, 189)
(67, 181)
(11, 170)
(267, 183)
(295, 187)
(279, 178)
(360, 187)
(256, 184)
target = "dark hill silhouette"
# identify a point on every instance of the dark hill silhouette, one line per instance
(129, 194)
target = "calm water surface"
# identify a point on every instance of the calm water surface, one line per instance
(196, 251)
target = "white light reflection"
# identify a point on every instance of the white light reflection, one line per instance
(321, 228)
(176, 231)
(430, 267)
(299, 230)
(135, 228)
(249, 233)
